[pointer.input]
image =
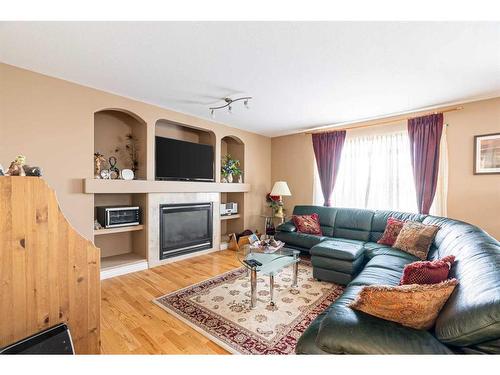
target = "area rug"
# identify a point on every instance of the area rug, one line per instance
(219, 308)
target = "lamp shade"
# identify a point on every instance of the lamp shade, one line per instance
(281, 188)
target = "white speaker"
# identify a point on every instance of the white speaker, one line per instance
(227, 209)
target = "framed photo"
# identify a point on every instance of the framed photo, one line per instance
(487, 154)
(253, 238)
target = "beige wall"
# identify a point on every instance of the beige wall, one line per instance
(51, 121)
(472, 198)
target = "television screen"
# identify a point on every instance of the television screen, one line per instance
(181, 160)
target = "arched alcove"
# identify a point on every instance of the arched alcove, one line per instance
(112, 129)
(234, 146)
(173, 130)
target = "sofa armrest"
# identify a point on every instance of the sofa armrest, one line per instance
(286, 227)
(344, 330)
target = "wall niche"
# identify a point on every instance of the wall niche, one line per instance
(111, 129)
(232, 145)
(169, 129)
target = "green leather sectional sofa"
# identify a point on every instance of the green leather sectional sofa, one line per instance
(468, 323)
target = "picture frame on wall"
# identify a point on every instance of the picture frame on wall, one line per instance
(487, 154)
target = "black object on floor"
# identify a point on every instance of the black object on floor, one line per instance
(54, 340)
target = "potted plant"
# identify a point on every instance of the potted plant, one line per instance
(230, 168)
(276, 204)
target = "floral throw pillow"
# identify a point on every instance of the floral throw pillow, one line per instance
(391, 231)
(416, 238)
(416, 306)
(307, 224)
(426, 272)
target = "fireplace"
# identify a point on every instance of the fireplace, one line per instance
(185, 228)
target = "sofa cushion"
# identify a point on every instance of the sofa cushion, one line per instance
(380, 220)
(416, 238)
(472, 314)
(302, 240)
(343, 330)
(308, 224)
(336, 277)
(382, 270)
(416, 305)
(286, 227)
(427, 272)
(391, 231)
(326, 216)
(354, 224)
(347, 266)
(372, 249)
(339, 249)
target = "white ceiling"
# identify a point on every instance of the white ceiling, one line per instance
(301, 75)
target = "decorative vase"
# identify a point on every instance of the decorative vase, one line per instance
(230, 177)
(224, 180)
(240, 179)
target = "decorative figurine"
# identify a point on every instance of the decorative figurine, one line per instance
(114, 172)
(16, 167)
(97, 225)
(105, 174)
(32, 171)
(99, 159)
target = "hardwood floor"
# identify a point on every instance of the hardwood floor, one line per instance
(132, 324)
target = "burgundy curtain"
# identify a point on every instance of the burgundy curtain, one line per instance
(327, 150)
(425, 137)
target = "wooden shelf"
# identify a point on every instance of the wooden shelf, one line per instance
(122, 264)
(132, 228)
(120, 260)
(229, 217)
(95, 186)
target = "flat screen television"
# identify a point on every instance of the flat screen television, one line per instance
(183, 161)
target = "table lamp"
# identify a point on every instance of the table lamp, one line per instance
(281, 188)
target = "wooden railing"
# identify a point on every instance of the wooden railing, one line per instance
(48, 273)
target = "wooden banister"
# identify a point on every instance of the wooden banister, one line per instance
(48, 272)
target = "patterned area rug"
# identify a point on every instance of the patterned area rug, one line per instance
(219, 308)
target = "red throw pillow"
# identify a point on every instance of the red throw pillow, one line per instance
(426, 272)
(391, 231)
(307, 224)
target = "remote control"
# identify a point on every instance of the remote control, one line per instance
(253, 263)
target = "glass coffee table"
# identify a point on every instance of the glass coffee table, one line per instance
(272, 263)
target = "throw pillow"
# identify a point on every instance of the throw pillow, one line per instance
(416, 238)
(415, 306)
(307, 224)
(391, 231)
(426, 272)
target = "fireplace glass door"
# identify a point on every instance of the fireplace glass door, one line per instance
(185, 228)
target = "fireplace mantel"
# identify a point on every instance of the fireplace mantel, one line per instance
(97, 186)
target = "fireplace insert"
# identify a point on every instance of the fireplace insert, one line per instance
(185, 228)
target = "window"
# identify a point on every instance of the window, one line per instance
(376, 173)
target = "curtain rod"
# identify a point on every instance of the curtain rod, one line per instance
(388, 121)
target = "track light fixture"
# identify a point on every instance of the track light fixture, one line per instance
(229, 106)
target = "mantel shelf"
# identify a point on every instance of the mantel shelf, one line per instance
(229, 217)
(95, 186)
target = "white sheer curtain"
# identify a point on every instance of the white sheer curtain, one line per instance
(375, 172)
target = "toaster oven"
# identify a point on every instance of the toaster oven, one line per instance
(118, 216)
